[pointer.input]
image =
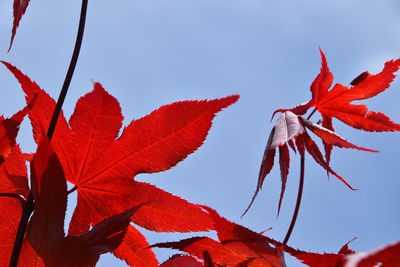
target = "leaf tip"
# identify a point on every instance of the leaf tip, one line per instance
(322, 53)
(234, 98)
(276, 111)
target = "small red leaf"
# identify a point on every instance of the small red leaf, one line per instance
(19, 8)
(336, 102)
(284, 159)
(286, 127)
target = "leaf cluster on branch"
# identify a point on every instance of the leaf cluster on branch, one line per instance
(92, 153)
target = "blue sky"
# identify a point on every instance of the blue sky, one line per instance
(151, 53)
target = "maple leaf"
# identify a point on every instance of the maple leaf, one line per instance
(45, 243)
(387, 256)
(154, 143)
(290, 126)
(337, 101)
(330, 103)
(19, 8)
(102, 165)
(237, 246)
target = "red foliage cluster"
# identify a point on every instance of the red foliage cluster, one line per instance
(101, 163)
(89, 154)
(329, 103)
(239, 246)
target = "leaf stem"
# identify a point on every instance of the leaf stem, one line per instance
(312, 113)
(70, 71)
(29, 206)
(72, 190)
(298, 202)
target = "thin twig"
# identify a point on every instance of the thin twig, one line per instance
(29, 207)
(70, 71)
(298, 202)
(72, 190)
(312, 113)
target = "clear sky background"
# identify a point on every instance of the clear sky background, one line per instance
(151, 53)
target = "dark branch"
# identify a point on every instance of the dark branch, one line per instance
(70, 71)
(29, 207)
(298, 202)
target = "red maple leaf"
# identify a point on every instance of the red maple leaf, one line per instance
(337, 101)
(237, 246)
(387, 256)
(102, 165)
(290, 126)
(19, 8)
(330, 103)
